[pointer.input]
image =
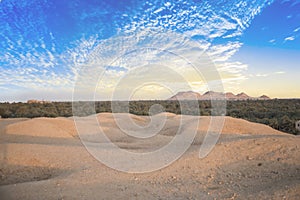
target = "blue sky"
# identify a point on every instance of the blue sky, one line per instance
(43, 44)
(271, 49)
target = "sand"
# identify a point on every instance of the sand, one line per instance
(44, 158)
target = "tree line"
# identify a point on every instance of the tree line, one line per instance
(280, 114)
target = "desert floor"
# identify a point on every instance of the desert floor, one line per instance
(44, 158)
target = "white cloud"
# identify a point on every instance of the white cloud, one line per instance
(280, 72)
(291, 38)
(221, 53)
(262, 75)
(167, 4)
(201, 18)
(297, 29)
(272, 41)
(232, 67)
(158, 10)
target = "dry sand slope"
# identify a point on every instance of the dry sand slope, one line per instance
(44, 159)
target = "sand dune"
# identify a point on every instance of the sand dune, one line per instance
(43, 158)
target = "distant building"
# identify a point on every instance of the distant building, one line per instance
(37, 101)
(298, 125)
(32, 101)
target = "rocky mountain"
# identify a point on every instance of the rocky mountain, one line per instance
(190, 95)
(230, 96)
(212, 95)
(264, 97)
(243, 96)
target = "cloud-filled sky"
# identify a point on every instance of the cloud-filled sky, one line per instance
(44, 44)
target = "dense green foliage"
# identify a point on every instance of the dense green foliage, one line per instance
(280, 114)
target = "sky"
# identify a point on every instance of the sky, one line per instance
(135, 49)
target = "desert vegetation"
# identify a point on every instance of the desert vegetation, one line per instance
(280, 114)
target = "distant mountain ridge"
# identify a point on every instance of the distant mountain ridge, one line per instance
(190, 95)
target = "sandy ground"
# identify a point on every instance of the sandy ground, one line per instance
(44, 158)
